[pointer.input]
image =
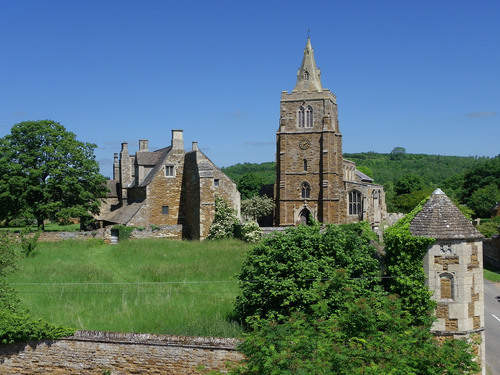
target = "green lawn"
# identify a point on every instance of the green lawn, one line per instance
(155, 286)
(491, 275)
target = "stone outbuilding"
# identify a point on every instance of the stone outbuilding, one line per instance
(168, 187)
(313, 180)
(454, 270)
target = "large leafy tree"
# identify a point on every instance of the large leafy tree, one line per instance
(46, 173)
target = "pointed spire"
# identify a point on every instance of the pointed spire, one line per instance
(308, 76)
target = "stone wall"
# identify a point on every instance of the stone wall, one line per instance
(89, 352)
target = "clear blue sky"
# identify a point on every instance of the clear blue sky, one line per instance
(423, 75)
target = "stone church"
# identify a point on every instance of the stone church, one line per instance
(313, 180)
(168, 187)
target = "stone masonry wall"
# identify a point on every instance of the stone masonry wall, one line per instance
(89, 352)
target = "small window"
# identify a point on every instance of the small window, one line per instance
(306, 190)
(306, 74)
(216, 182)
(169, 170)
(164, 210)
(446, 286)
(305, 164)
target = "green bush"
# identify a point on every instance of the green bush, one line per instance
(490, 228)
(370, 335)
(124, 231)
(224, 222)
(248, 232)
(295, 270)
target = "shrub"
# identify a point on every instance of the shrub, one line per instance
(256, 207)
(295, 270)
(28, 242)
(248, 232)
(224, 222)
(124, 231)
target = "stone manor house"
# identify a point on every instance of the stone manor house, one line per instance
(172, 187)
(167, 187)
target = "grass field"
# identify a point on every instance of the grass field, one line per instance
(492, 275)
(154, 286)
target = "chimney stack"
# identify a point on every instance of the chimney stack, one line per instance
(143, 145)
(195, 146)
(177, 140)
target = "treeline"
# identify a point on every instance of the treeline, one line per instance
(473, 182)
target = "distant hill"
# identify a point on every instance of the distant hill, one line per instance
(384, 168)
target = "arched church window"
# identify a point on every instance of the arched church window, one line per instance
(306, 190)
(447, 287)
(309, 117)
(305, 164)
(355, 203)
(300, 117)
(306, 74)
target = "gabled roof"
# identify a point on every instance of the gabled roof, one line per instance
(122, 215)
(147, 158)
(441, 219)
(363, 177)
(162, 154)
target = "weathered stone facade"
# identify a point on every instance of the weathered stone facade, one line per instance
(167, 187)
(312, 178)
(96, 353)
(454, 270)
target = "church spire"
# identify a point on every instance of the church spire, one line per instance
(308, 76)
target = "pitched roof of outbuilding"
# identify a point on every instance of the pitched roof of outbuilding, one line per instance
(363, 177)
(441, 219)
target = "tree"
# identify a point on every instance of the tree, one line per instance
(249, 185)
(223, 225)
(47, 173)
(257, 207)
(483, 200)
(408, 183)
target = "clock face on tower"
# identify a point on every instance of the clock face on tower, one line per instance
(304, 144)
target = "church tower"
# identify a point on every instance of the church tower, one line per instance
(309, 163)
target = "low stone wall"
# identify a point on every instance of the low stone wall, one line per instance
(91, 352)
(61, 236)
(173, 232)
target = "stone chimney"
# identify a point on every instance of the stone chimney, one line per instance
(195, 146)
(125, 169)
(177, 140)
(143, 145)
(116, 167)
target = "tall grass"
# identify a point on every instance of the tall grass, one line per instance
(155, 286)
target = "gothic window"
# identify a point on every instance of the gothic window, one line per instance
(309, 117)
(355, 203)
(305, 164)
(306, 74)
(169, 171)
(300, 117)
(446, 286)
(306, 190)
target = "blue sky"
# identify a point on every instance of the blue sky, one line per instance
(423, 75)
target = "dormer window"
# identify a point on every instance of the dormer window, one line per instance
(306, 74)
(169, 171)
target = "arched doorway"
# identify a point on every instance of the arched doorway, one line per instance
(304, 216)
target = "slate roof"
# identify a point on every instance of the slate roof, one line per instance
(160, 155)
(363, 177)
(147, 158)
(123, 214)
(441, 219)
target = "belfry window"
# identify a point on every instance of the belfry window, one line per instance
(300, 117)
(306, 74)
(355, 203)
(309, 117)
(306, 190)
(305, 164)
